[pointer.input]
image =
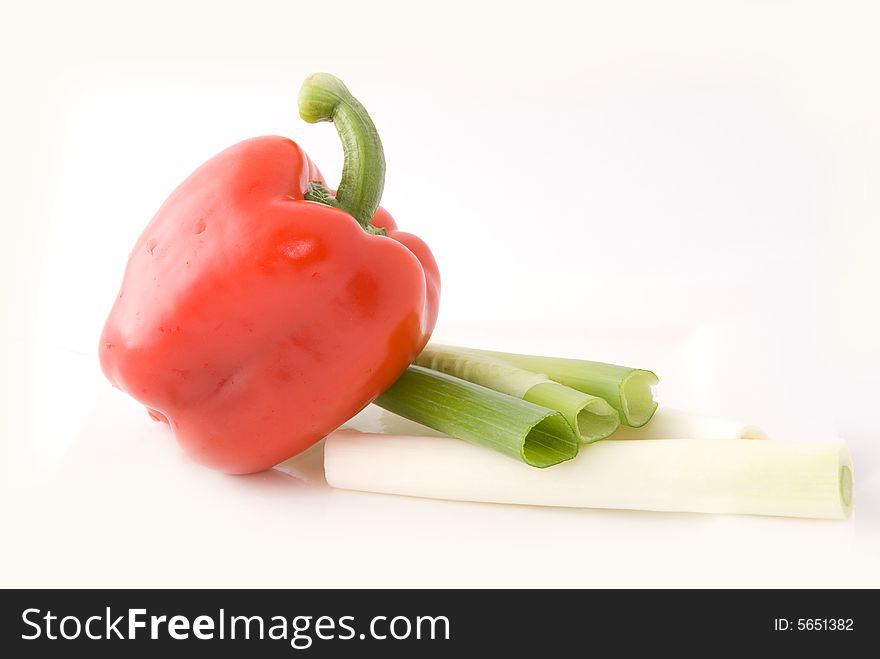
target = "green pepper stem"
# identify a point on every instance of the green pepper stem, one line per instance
(324, 97)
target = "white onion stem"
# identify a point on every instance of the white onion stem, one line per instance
(797, 479)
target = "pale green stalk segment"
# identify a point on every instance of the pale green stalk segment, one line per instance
(591, 417)
(480, 369)
(522, 430)
(627, 390)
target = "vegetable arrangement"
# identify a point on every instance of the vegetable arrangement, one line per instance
(486, 398)
(260, 310)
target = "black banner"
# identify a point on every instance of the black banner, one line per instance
(406, 623)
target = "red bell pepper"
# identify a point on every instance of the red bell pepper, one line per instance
(258, 310)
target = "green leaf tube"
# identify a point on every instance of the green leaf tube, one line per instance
(538, 436)
(591, 417)
(627, 390)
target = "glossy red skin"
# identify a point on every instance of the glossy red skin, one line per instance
(254, 322)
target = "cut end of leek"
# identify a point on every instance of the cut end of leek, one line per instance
(592, 418)
(539, 436)
(596, 420)
(544, 444)
(637, 397)
(846, 487)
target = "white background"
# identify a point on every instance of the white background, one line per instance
(690, 187)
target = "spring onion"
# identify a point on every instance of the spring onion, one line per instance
(591, 417)
(798, 479)
(538, 436)
(628, 390)
(674, 424)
